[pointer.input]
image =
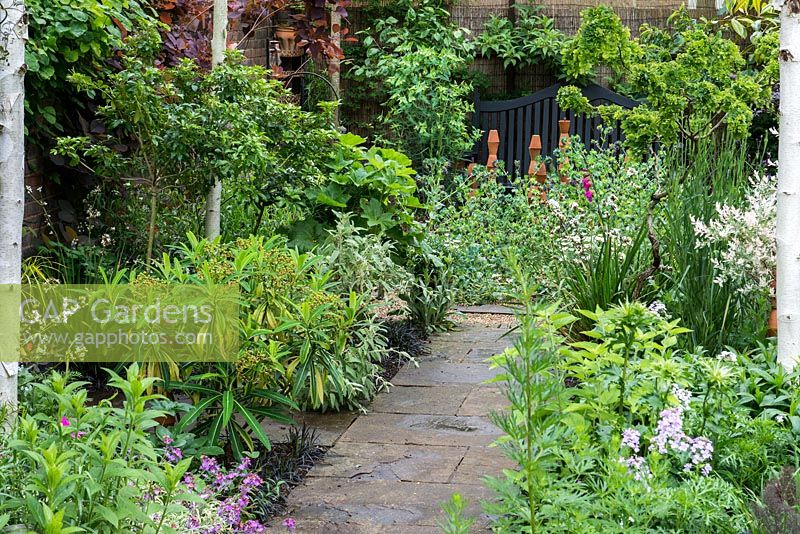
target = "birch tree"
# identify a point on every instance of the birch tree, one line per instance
(13, 34)
(788, 223)
(219, 43)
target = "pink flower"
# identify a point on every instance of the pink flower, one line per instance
(64, 421)
(587, 188)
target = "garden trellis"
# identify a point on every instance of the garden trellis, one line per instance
(538, 114)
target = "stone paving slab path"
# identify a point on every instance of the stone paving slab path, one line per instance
(390, 470)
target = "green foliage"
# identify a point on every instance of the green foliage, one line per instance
(698, 179)
(422, 65)
(601, 39)
(76, 467)
(301, 340)
(229, 409)
(171, 132)
(429, 302)
(536, 395)
(691, 81)
(72, 37)
(456, 523)
(360, 262)
(531, 40)
(376, 186)
(608, 276)
(601, 429)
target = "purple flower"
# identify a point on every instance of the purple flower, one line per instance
(209, 465)
(173, 454)
(630, 438)
(77, 435)
(637, 467)
(64, 421)
(253, 527)
(230, 512)
(289, 524)
(669, 432)
(251, 480)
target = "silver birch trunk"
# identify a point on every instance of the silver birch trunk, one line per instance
(788, 223)
(219, 43)
(13, 34)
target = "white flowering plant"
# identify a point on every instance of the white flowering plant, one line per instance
(743, 238)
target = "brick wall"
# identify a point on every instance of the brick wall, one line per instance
(40, 194)
(252, 41)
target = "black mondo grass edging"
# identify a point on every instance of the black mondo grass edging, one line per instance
(283, 468)
(407, 342)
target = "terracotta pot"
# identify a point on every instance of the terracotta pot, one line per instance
(287, 37)
(772, 324)
(563, 133)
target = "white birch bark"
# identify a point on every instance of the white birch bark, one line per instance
(336, 75)
(788, 222)
(219, 43)
(13, 34)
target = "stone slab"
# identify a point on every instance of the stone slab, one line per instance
(471, 334)
(400, 463)
(480, 462)
(438, 372)
(440, 430)
(483, 400)
(480, 354)
(330, 527)
(431, 400)
(490, 309)
(380, 503)
(329, 426)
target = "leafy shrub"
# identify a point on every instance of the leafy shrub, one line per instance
(72, 36)
(531, 39)
(299, 336)
(699, 179)
(429, 302)
(626, 430)
(376, 186)
(360, 262)
(79, 467)
(691, 79)
(422, 65)
(472, 230)
(778, 513)
(166, 134)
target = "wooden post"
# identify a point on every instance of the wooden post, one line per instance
(494, 144)
(563, 144)
(535, 149)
